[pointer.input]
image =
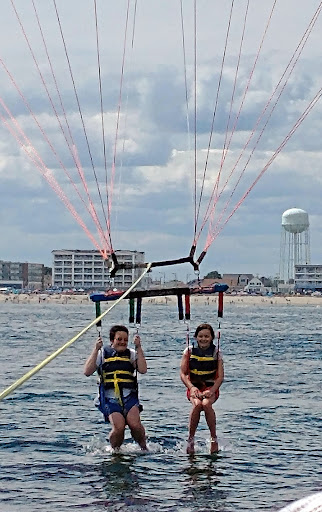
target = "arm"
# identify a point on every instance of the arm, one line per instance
(140, 361)
(220, 375)
(90, 365)
(185, 377)
(218, 381)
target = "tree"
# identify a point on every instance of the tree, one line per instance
(213, 275)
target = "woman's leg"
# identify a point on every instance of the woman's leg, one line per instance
(193, 422)
(210, 416)
(137, 430)
(118, 427)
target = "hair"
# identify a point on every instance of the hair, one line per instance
(205, 326)
(115, 329)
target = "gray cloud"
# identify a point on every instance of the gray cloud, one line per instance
(152, 207)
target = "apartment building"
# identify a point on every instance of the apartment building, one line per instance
(19, 275)
(308, 277)
(86, 269)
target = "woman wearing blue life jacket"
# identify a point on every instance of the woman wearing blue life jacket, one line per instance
(118, 392)
(202, 372)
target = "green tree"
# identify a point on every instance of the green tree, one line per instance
(213, 275)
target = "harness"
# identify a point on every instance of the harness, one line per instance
(117, 372)
(203, 366)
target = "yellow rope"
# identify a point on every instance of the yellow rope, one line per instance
(117, 390)
(48, 359)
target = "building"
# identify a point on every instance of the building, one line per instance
(235, 282)
(256, 286)
(22, 275)
(308, 278)
(48, 278)
(86, 269)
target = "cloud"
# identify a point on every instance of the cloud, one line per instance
(146, 129)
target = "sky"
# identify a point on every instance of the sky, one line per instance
(175, 92)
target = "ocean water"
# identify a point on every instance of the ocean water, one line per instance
(54, 453)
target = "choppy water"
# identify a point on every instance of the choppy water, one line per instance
(54, 455)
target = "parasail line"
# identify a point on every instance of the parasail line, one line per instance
(316, 98)
(103, 236)
(120, 169)
(223, 60)
(195, 118)
(77, 163)
(134, 20)
(36, 62)
(209, 208)
(119, 105)
(102, 117)
(185, 75)
(57, 352)
(225, 146)
(47, 174)
(40, 128)
(71, 144)
(249, 79)
(295, 57)
(81, 115)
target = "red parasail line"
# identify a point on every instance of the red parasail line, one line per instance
(47, 173)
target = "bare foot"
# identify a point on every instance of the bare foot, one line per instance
(213, 445)
(191, 445)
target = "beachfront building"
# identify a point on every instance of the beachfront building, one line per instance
(308, 278)
(86, 269)
(256, 286)
(17, 275)
(236, 282)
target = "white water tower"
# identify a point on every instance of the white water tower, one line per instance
(295, 242)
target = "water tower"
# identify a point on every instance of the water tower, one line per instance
(295, 242)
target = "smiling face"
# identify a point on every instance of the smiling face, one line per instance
(120, 341)
(204, 339)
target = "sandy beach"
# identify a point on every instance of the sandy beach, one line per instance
(58, 298)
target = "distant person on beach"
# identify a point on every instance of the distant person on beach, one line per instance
(202, 372)
(118, 398)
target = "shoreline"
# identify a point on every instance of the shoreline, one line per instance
(293, 300)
